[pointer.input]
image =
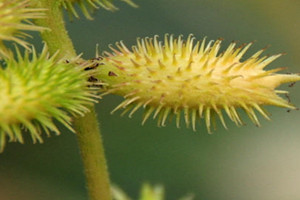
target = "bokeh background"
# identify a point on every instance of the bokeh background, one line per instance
(239, 163)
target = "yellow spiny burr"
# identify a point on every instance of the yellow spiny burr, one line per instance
(15, 16)
(192, 78)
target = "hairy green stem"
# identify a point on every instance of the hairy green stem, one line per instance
(57, 37)
(87, 128)
(90, 143)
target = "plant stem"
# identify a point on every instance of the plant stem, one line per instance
(57, 37)
(87, 128)
(90, 143)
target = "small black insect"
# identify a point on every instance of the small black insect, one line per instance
(94, 63)
(292, 84)
(110, 73)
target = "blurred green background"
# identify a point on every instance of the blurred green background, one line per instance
(241, 163)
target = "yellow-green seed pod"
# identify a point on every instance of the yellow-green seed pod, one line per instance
(87, 5)
(14, 19)
(148, 192)
(192, 78)
(35, 90)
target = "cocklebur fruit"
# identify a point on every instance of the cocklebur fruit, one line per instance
(87, 5)
(148, 192)
(37, 90)
(192, 79)
(14, 20)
